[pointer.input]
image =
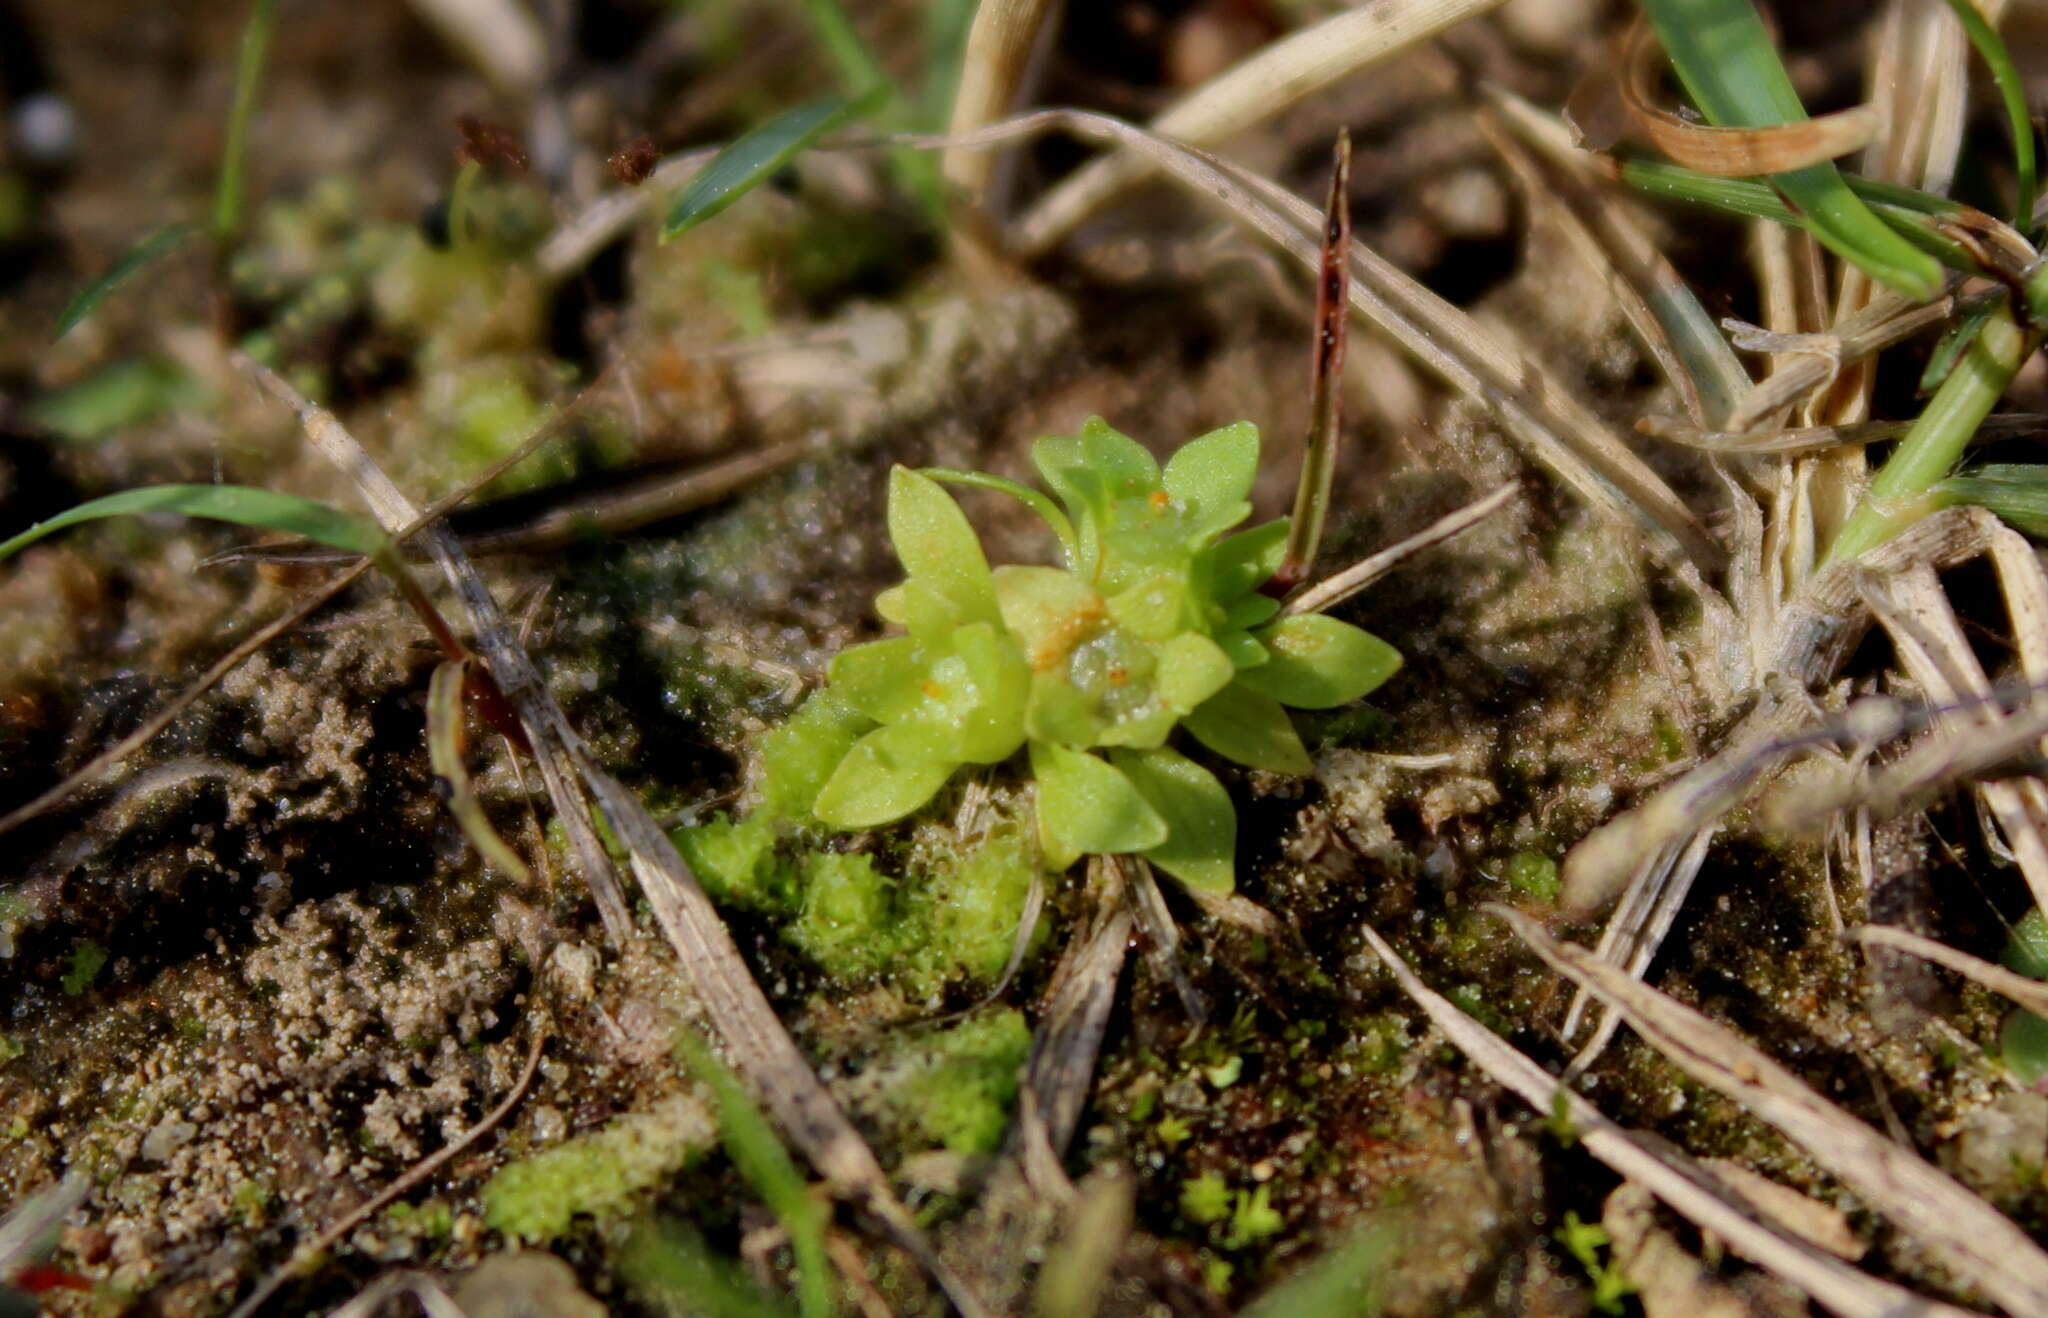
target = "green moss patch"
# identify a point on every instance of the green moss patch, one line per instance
(604, 1175)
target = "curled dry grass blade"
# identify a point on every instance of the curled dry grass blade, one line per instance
(1734, 152)
(444, 750)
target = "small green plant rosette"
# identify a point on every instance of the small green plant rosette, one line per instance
(1153, 621)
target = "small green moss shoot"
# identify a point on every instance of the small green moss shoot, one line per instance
(959, 1091)
(1532, 874)
(1587, 1242)
(87, 960)
(603, 1175)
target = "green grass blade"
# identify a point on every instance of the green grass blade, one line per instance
(757, 154)
(1725, 58)
(1952, 347)
(149, 249)
(757, 1152)
(227, 200)
(2017, 492)
(1991, 49)
(862, 74)
(265, 509)
(1907, 211)
(859, 70)
(1901, 492)
(945, 27)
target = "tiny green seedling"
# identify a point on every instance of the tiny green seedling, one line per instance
(1157, 618)
(1154, 620)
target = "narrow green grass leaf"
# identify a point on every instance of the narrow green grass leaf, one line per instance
(2017, 492)
(149, 249)
(255, 48)
(758, 153)
(264, 509)
(861, 74)
(1952, 347)
(1991, 49)
(757, 1152)
(1725, 58)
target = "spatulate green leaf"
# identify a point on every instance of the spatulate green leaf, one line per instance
(1215, 470)
(1088, 807)
(1319, 662)
(938, 547)
(1201, 841)
(1249, 727)
(888, 773)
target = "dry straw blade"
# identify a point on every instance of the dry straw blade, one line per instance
(1537, 409)
(1249, 93)
(1977, 1243)
(1687, 1186)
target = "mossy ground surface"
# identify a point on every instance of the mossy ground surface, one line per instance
(259, 973)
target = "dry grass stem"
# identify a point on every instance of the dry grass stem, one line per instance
(1690, 1188)
(2031, 994)
(1268, 82)
(1935, 653)
(1340, 586)
(994, 68)
(1979, 1245)
(1810, 439)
